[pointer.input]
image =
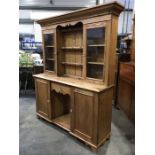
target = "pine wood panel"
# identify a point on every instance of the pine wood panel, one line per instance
(63, 121)
(111, 51)
(43, 97)
(83, 106)
(104, 114)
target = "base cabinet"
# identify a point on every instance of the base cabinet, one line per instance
(85, 114)
(43, 101)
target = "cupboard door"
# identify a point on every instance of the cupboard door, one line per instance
(42, 88)
(83, 102)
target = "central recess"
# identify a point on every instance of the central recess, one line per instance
(61, 105)
(71, 50)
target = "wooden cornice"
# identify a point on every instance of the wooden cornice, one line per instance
(108, 8)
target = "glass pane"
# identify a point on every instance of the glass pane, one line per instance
(95, 54)
(49, 53)
(48, 39)
(49, 65)
(95, 71)
(95, 36)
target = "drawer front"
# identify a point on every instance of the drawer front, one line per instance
(60, 88)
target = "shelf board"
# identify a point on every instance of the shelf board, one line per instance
(95, 79)
(63, 121)
(49, 46)
(95, 63)
(50, 71)
(71, 63)
(96, 45)
(80, 48)
(50, 59)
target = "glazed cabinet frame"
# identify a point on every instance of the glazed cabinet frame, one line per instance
(102, 46)
(49, 51)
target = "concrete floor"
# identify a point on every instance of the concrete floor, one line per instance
(37, 137)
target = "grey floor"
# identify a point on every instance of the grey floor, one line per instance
(37, 137)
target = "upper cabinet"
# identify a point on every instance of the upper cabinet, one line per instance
(82, 44)
(49, 51)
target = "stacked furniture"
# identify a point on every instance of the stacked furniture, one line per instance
(76, 89)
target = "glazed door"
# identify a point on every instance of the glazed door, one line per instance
(95, 48)
(42, 88)
(82, 111)
(49, 50)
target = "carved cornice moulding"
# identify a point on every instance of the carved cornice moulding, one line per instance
(114, 8)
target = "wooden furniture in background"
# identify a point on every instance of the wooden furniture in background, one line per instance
(126, 83)
(126, 89)
(76, 89)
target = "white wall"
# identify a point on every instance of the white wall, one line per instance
(38, 14)
(24, 14)
(37, 32)
(26, 28)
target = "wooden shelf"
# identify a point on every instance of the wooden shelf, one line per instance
(50, 71)
(63, 121)
(95, 79)
(95, 63)
(78, 48)
(50, 59)
(49, 46)
(96, 45)
(71, 63)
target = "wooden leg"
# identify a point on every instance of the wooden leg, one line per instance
(38, 116)
(108, 138)
(94, 149)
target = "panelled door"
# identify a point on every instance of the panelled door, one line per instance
(42, 88)
(82, 111)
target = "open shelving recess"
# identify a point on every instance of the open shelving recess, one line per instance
(71, 50)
